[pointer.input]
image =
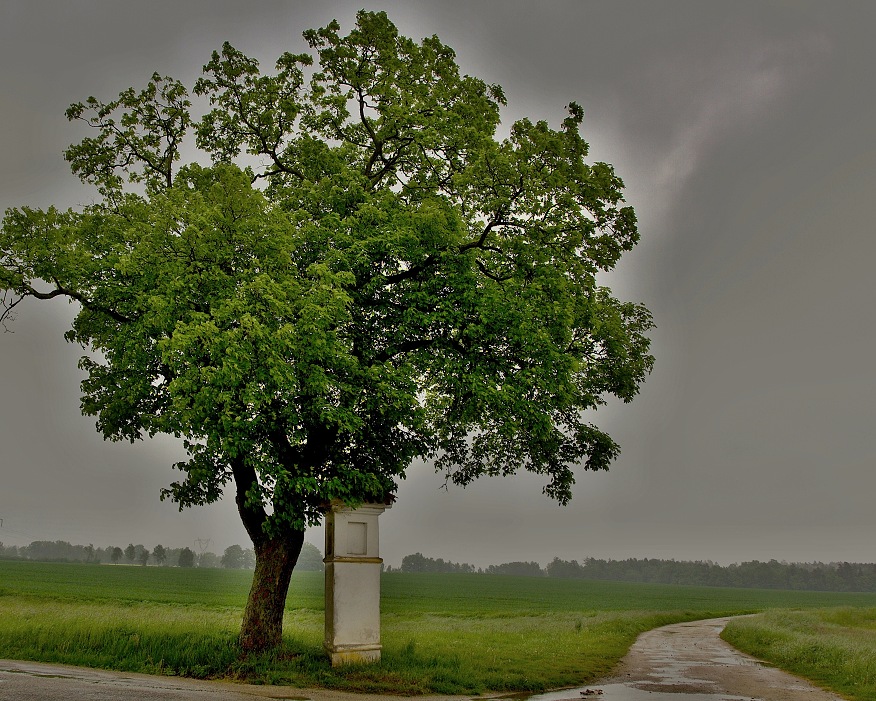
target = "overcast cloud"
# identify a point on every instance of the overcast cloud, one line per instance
(745, 134)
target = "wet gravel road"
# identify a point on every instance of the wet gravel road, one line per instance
(690, 662)
(681, 662)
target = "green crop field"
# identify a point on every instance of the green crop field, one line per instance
(441, 633)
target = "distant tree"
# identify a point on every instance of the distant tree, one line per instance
(233, 558)
(310, 558)
(519, 569)
(138, 552)
(354, 271)
(207, 560)
(160, 554)
(420, 563)
(187, 558)
(51, 551)
(130, 553)
(564, 569)
(116, 555)
(143, 556)
(417, 562)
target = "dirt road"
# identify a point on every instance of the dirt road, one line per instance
(682, 662)
(690, 662)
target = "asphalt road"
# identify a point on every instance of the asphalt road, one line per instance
(32, 681)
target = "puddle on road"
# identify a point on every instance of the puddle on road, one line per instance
(622, 692)
(673, 661)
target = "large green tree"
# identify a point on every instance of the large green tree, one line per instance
(353, 271)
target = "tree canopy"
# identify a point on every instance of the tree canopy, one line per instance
(355, 270)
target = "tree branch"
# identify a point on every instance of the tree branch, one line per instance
(6, 308)
(411, 272)
(252, 513)
(483, 237)
(61, 291)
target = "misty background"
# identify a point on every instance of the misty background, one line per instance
(744, 133)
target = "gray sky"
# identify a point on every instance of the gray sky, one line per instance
(745, 134)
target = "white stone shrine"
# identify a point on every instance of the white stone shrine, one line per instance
(352, 583)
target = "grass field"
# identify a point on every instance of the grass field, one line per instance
(441, 633)
(835, 648)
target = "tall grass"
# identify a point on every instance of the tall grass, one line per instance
(835, 648)
(155, 639)
(441, 633)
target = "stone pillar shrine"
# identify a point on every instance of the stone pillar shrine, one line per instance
(352, 583)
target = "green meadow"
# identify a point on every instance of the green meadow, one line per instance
(441, 633)
(835, 647)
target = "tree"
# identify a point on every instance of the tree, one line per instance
(233, 557)
(518, 569)
(420, 563)
(116, 555)
(310, 559)
(208, 559)
(130, 553)
(143, 556)
(391, 281)
(186, 558)
(564, 568)
(160, 554)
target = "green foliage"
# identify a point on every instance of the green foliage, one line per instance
(517, 632)
(834, 647)
(393, 281)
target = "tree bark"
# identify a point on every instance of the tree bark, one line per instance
(262, 627)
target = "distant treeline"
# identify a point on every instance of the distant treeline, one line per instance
(62, 551)
(420, 563)
(815, 576)
(234, 557)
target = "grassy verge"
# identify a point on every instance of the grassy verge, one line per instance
(835, 648)
(441, 633)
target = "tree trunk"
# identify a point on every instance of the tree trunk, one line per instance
(262, 627)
